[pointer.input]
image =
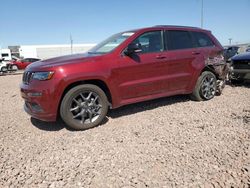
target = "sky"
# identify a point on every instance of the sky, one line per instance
(37, 22)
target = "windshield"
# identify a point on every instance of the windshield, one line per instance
(111, 43)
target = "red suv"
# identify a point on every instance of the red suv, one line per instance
(21, 64)
(128, 67)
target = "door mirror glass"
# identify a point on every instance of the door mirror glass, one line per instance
(133, 48)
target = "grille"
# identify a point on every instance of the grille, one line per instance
(27, 77)
(241, 64)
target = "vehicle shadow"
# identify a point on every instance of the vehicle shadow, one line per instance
(48, 126)
(56, 126)
(147, 105)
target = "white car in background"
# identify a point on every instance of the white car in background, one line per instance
(5, 57)
(3, 65)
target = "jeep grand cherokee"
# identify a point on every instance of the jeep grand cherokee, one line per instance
(128, 67)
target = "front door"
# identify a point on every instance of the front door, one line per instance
(142, 74)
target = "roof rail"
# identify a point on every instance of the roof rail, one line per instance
(178, 26)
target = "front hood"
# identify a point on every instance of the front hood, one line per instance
(62, 60)
(244, 56)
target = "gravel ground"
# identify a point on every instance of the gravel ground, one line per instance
(169, 142)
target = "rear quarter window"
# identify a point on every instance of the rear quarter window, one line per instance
(202, 39)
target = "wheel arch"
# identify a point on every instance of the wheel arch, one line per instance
(97, 82)
(210, 68)
(197, 73)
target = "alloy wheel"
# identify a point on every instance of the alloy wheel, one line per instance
(86, 107)
(208, 87)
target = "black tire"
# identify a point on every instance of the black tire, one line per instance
(205, 88)
(4, 69)
(82, 102)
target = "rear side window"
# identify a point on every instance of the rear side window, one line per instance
(179, 40)
(202, 40)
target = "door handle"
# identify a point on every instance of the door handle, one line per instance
(160, 57)
(196, 53)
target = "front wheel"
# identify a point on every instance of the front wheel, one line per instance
(205, 88)
(84, 106)
(3, 69)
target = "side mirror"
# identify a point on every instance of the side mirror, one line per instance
(133, 48)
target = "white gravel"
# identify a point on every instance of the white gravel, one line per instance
(169, 142)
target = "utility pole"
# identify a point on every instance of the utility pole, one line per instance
(202, 11)
(71, 44)
(230, 41)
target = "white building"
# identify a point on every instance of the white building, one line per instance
(49, 51)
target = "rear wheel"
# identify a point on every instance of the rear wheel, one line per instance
(84, 106)
(205, 88)
(14, 68)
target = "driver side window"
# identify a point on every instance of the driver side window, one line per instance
(150, 42)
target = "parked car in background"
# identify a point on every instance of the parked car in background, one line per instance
(128, 67)
(21, 64)
(248, 49)
(230, 51)
(3, 65)
(240, 68)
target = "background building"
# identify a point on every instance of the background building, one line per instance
(48, 51)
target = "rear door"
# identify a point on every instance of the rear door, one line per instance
(182, 57)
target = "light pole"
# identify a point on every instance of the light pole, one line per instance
(71, 44)
(202, 13)
(230, 41)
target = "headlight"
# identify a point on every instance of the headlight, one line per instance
(42, 75)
